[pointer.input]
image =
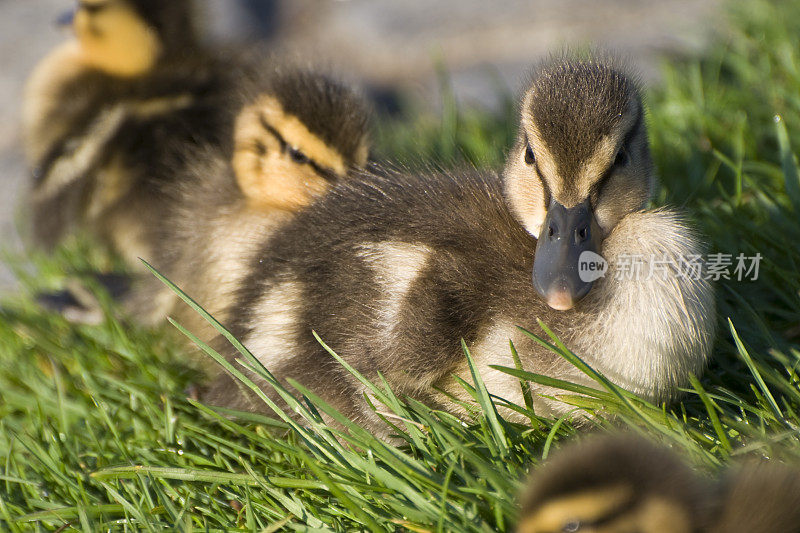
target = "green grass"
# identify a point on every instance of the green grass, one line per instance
(96, 433)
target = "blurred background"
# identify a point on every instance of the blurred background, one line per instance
(395, 50)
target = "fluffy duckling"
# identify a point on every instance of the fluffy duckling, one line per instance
(106, 114)
(616, 485)
(393, 271)
(621, 484)
(298, 134)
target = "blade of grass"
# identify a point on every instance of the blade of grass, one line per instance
(712, 412)
(489, 410)
(206, 476)
(791, 175)
(756, 374)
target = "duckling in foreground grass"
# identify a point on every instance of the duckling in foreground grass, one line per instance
(625, 484)
(298, 134)
(615, 484)
(106, 116)
(393, 270)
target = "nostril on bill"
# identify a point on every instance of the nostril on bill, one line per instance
(582, 234)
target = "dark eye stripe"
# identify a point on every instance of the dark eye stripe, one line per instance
(632, 131)
(626, 141)
(545, 187)
(260, 148)
(325, 173)
(598, 187)
(92, 9)
(272, 131)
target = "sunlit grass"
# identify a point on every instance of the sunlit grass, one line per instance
(96, 431)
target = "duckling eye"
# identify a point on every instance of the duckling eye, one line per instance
(571, 527)
(622, 158)
(529, 158)
(297, 156)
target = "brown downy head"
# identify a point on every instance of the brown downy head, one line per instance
(619, 484)
(127, 38)
(581, 162)
(297, 137)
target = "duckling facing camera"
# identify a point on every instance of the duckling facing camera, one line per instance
(393, 270)
(625, 484)
(297, 134)
(107, 113)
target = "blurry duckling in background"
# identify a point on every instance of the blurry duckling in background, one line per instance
(298, 133)
(615, 485)
(393, 270)
(106, 116)
(625, 484)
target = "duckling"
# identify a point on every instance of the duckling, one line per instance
(615, 485)
(392, 270)
(297, 134)
(622, 483)
(105, 116)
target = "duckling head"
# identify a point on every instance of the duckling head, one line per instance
(298, 137)
(581, 162)
(618, 484)
(126, 38)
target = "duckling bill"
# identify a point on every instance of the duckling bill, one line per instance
(568, 233)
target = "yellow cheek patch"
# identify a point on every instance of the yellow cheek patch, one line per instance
(526, 195)
(582, 507)
(658, 515)
(274, 181)
(265, 173)
(117, 41)
(297, 135)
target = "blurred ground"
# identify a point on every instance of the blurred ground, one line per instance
(384, 44)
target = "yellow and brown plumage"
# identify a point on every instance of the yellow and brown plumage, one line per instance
(393, 268)
(616, 485)
(297, 134)
(626, 484)
(106, 116)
